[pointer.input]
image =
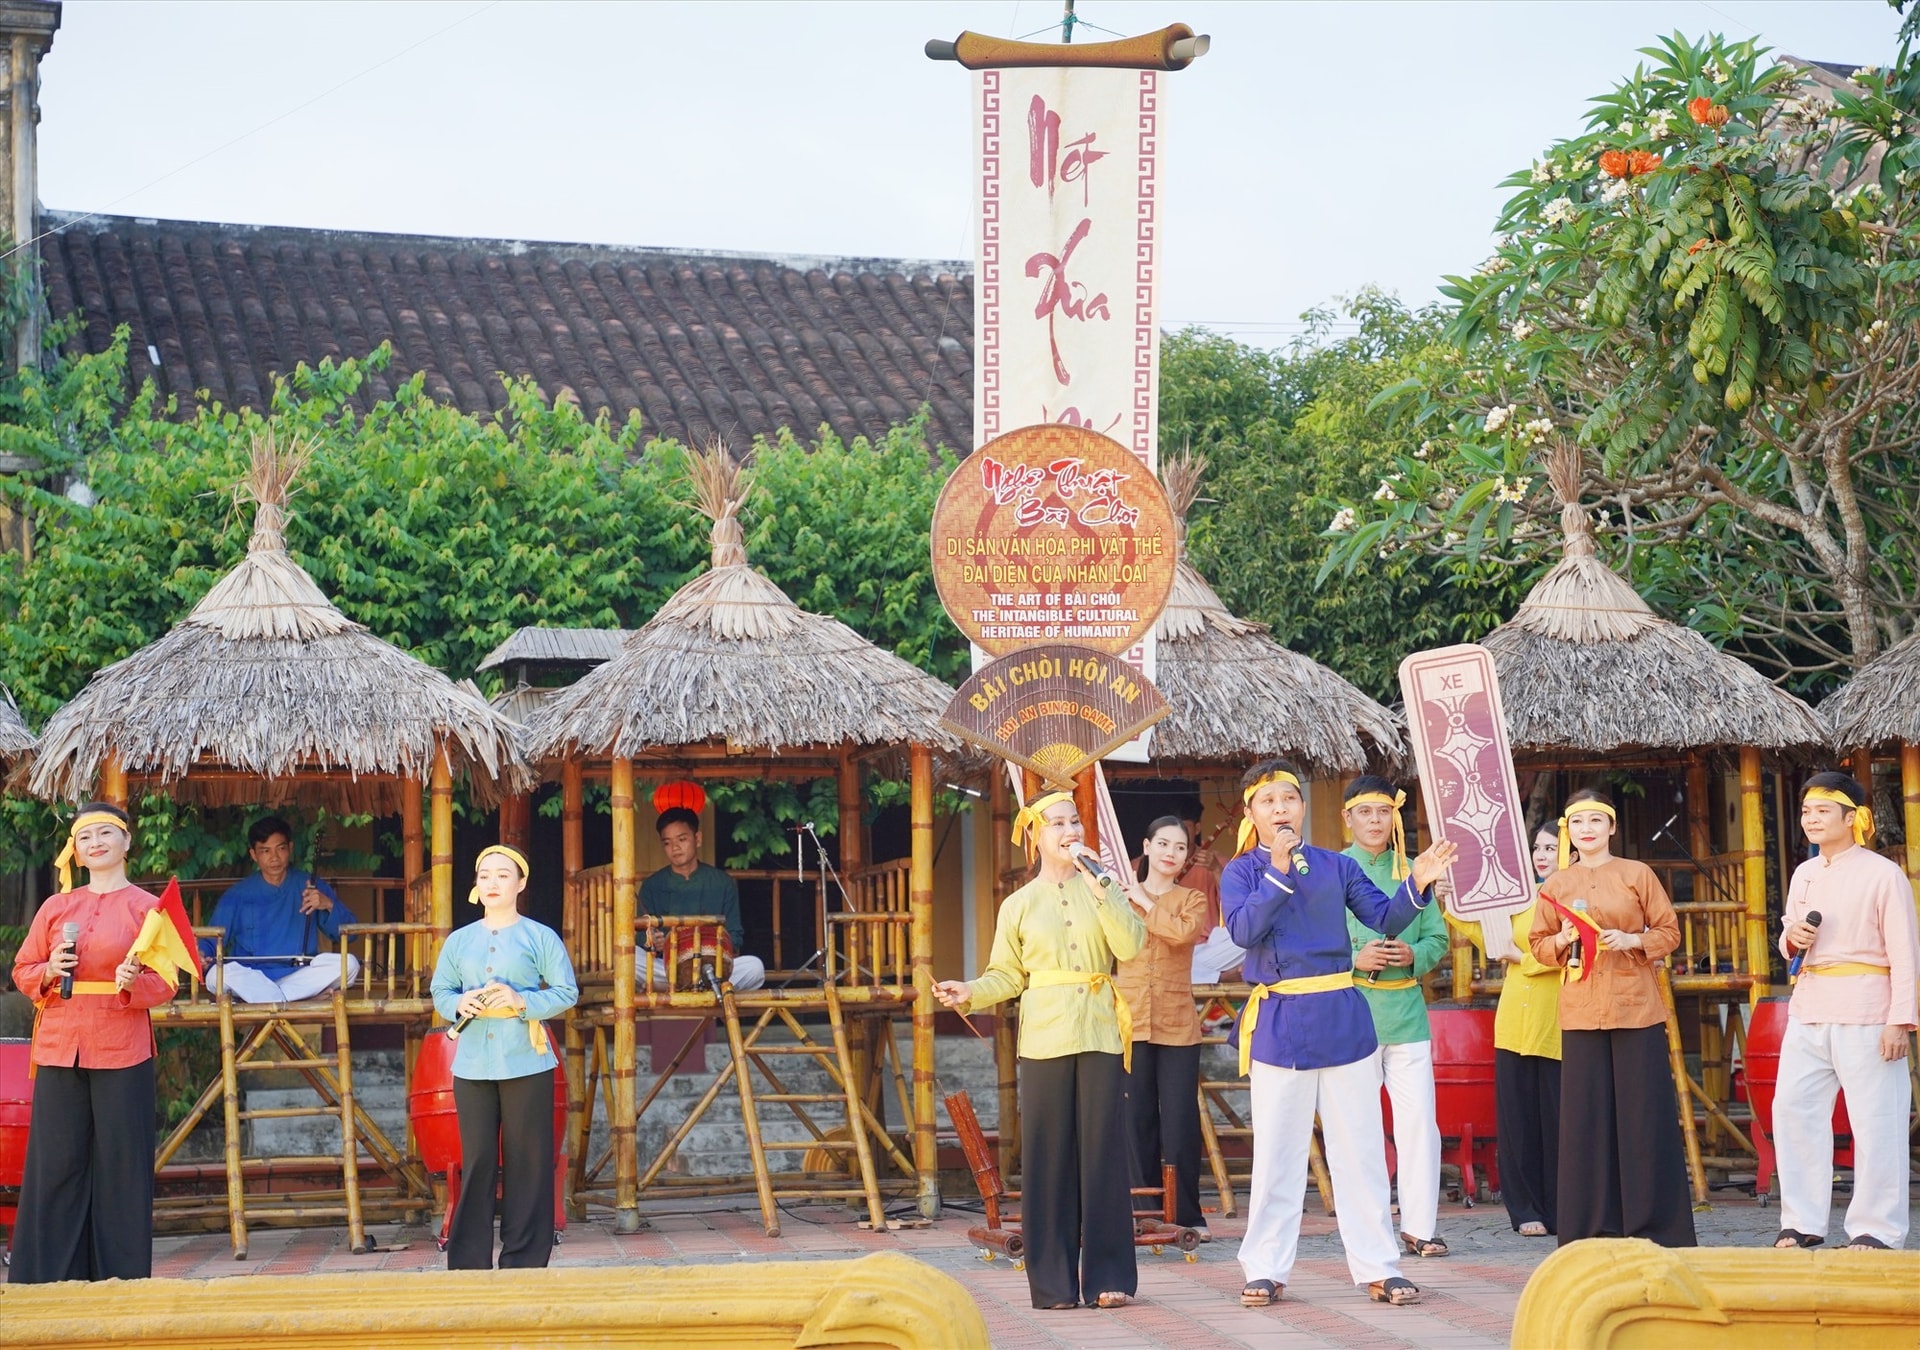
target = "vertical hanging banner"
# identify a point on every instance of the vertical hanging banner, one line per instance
(1068, 207)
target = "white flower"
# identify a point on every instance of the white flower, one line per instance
(1490, 266)
(1454, 537)
(1385, 492)
(1581, 168)
(1514, 491)
(1616, 190)
(1660, 123)
(1584, 305)
(1343, 520)
(1543, 171)
(1426, 448)
(1560, 211)
(1718, 73)
(1538, 430)
(1875, 329)
(1521, 330)
(1866, 72)
(1626, 127)
(1498, 417)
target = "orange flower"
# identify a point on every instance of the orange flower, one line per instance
(1641, 161)
(1705, 112)
(1615, 163)
(1696, 246)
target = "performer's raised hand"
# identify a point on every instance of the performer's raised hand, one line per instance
(1433, 862)
(125, 974)
(954, 994)
(1286, 839)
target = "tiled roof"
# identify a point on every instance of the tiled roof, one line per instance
(703, 344)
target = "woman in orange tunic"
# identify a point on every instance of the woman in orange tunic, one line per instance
(86, 1204)
(1163, 1088)
(1622, 1173)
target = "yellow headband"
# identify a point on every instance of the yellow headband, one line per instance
(513, 855)
(1863, 815)
(1566, 840)
(1247, 836)
(1028, 821)
(63, 865)
(1398, 802)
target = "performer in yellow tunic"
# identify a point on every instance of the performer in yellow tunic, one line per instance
(1056, 942)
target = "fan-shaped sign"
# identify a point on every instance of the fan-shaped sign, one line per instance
(1053, 534)
(1054, 708)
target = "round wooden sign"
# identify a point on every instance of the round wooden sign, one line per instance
(1053, 534)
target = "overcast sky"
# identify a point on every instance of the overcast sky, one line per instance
(1317, 149)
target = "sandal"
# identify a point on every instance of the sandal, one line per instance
(1793, 1237)
(1866, 1242)
(1113, 1299)
(1433, 1246)
(1260, 1293)
(1397, 1291)
(1532, 1228)
(1060, 1307)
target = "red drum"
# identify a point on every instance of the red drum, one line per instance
(692, 946)
(1766, 1031)
(16, 1117)
(1463, 1092)
(436, 1122)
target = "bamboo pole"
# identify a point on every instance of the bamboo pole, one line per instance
(1000, 863)
(442, 790)
(1699, 814)
(579, 1115)
(1910, 794)
(1753, 852)
(853, 857)
(1682, 1090)
(926, 1159)
(516, 820)
(413, 845)
(1085, 801)
(573, 849)
(113, 780)
(626, 1165)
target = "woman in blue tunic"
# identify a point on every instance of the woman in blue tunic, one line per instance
(498, 980)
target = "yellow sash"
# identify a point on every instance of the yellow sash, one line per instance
(1306, 984)
(1047, 979)
(536, 1031)
(1360, 981)
(1831, 968)
(94, 987)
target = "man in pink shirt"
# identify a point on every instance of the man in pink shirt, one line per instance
(1853, 1007)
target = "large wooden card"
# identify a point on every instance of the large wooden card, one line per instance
(1459, 735)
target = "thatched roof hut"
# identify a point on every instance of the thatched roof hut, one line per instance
(1587, 668)
(730, 661)
(266, 680)
(15, 739)
(1236, 693)
(1880, 705)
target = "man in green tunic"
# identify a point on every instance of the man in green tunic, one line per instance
(688, 886)
(1388, 970)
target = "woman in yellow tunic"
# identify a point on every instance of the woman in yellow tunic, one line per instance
(1526, 1068)
(1056, 941)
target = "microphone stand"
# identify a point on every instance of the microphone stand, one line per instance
(826, 869)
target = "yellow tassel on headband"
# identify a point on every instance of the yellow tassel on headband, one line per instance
(513, 855)
(1398, 802)
(1027, 823)
(1862, 814)
(63, 865)
(1566, 840)
(1248, 835)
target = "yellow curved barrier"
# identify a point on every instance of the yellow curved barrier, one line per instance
(884, 1300)
(1629, 1294)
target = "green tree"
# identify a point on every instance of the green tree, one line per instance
(1711, 291)
(1292, 436)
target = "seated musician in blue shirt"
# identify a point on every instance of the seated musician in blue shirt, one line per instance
(276, 921)
(1306, 1038)
(687, 886)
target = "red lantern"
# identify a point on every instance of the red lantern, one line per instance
(680, 793)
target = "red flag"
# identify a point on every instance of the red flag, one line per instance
(166, 942)
(1588, 933)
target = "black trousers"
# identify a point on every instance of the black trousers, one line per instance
(1622, 1172)
(86, 1202)
(1526, 1091)
(1075, 1211)
(1163, 1106)
(510, 1119)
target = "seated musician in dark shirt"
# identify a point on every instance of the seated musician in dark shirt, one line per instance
(688, 886)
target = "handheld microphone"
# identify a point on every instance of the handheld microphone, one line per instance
(69, 934)
(1793, 966)
(1087, 862)
(1574, 956)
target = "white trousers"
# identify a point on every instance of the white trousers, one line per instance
(302, 982)
(1416, 1134)
(1348, 1101)
(1817, 1060)
(749, 972)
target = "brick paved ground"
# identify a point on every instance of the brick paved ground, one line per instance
(1470, 1296)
